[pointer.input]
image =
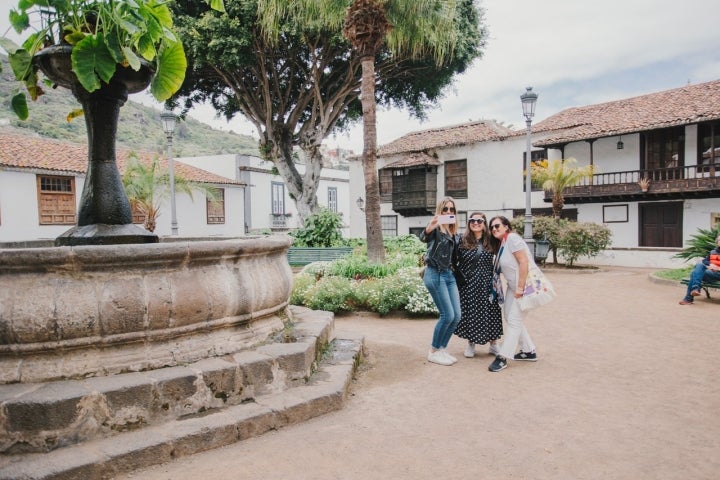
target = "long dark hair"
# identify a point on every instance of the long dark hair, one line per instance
(469, 242)
(494, 242)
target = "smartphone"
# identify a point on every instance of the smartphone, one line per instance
(446, 219)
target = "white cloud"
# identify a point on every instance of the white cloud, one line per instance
(572, 52)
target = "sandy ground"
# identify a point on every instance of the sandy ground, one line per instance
(627, 386)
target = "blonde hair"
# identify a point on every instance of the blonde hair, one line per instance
(451, 228)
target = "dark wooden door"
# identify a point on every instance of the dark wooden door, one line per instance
(661, 224)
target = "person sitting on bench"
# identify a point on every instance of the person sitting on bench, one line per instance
(708, 270)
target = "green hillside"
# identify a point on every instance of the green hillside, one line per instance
(139, 127)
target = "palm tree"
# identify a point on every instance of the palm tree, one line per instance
(294, 106)
(408, 26)
(366, 25)
(558, 175)
(147, 186)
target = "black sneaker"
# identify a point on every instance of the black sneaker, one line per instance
(498, 364)
(528, 357)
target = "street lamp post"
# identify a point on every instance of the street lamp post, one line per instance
(529, 98)
(168, 120)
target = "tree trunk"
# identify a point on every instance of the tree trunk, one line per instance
(302, 189)
(558, 202)
(373, 225)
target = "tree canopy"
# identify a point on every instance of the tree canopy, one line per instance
(297, 80)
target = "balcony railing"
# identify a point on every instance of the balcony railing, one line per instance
(665, 183)
(279, 222)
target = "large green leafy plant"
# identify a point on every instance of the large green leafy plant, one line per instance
(105, 35)
(700, 244)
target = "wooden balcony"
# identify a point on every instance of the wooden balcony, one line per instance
(415, 192)
(695, 181)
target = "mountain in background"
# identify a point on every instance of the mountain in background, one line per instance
(139, 127)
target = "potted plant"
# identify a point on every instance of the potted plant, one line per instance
(644, 184)
(101, 50)
(103, 36)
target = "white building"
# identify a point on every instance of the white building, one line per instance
(670, 137)
(41, 182)
(268, 205)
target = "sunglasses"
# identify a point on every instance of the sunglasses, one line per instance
(495, 226)
(479, 221)
(448, 209)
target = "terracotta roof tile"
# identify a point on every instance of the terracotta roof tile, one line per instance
(413, 160)
(463, 134)
(34, 152)
(679, 106)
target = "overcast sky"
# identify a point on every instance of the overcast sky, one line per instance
(572, 53)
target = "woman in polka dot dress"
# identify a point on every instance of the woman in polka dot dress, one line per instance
(481, 320)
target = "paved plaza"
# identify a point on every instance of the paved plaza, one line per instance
(627, 387)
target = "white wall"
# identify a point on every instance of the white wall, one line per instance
(19, 211)
(19, 208)
(495, 186)
(192, 215)
(256, 172)
(495, 183)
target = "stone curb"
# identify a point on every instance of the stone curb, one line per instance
(104, 458)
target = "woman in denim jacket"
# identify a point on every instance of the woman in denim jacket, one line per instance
(440, 281)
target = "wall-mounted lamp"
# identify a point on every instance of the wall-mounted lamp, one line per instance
(620, 144)
(360, 203)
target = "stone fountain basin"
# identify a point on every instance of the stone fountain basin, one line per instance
(84, 311)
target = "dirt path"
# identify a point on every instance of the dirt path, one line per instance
(627, 387)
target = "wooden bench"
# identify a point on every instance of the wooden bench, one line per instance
(703, 286)
(300, 256)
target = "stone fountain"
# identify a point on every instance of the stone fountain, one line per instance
(77, 312)
(111, 331)
(118, 351)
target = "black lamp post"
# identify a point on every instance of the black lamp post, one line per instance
(529, 99)
(168, 120)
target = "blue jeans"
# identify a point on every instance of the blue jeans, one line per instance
(699, 274)
(444, 292)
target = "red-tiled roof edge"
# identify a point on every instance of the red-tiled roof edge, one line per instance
(440, 137)
(674, 107)
(41, 154)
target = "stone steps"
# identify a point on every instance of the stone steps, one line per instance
(100, 427)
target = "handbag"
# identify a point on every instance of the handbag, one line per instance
(538, 290)
(459, 275)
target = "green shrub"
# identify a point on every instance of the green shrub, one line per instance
(331, 294)
(303, 283)
(392, 292)
(421, 303)
(353, 282)
(407, 244)
(323, 229)
(571, 239)
(358, 266)
(316, 269)
(583, 239)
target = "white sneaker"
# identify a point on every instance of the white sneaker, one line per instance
(448, 356)
(470, 350)
(494, 349)
(439, 358)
